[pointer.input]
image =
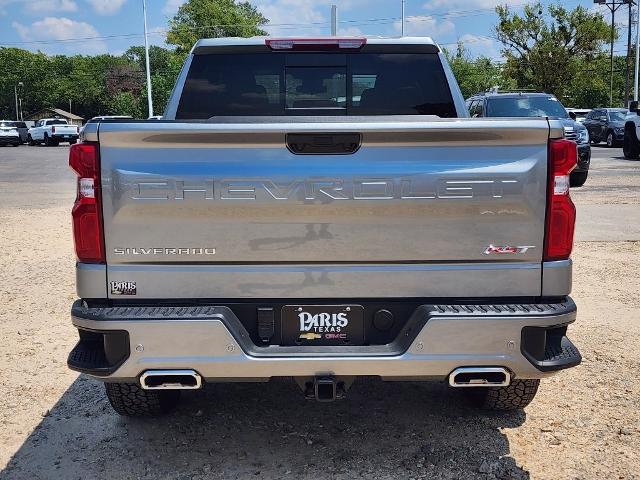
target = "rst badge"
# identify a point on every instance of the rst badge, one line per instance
(123, 288)
(323, 324)
(507, 249)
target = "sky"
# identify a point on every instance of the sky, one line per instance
(111, 26)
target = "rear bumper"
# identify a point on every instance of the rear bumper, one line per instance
(65, 138)
(10, 141)
(212, 341)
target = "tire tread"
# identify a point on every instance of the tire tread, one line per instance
(518, 394)
(130, 400)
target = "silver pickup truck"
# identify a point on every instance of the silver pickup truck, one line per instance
(322, 209)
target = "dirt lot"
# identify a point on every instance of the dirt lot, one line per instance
(54, 424)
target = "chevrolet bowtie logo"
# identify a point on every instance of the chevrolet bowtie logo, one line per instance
(310, 336)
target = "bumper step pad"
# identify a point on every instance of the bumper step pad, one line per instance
(564, 356)
(99, 353)
(549, 349)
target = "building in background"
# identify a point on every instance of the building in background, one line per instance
(56, 113)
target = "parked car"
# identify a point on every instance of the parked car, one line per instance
(579, 114)
(52, 131)
(9, 134)
(527, 104)
(606, 125)
(22, 128)
(265, 231)
(104, 117)
(631, 143)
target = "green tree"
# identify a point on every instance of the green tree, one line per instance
(547, 52)
(89, 83)
(126, 103)
(165, 68)
(591, 83)
(212, 19)
(33, 70)
(476, 74)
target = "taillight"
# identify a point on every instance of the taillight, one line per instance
(561, 212)
(53, 129)
(327, 43)
(87, 211)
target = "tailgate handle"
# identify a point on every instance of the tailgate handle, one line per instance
(323, 143)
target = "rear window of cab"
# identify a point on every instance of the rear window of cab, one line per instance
(266, 84)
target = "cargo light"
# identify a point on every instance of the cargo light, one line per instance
(88, 237)
(315, 44)
(561, 212)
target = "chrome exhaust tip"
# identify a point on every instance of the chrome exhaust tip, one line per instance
(170, 380)
(479, 377)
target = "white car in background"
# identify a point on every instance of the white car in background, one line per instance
(9, 134)
(52, 131)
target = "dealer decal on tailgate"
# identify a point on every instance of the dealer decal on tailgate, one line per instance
(123, 288)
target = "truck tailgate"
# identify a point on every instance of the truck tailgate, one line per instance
(433, 193)
(64, 130)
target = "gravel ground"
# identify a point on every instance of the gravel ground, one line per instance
(54, 424)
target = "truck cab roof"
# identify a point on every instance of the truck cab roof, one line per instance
(511, 94)
(52, 119)
(233, 44)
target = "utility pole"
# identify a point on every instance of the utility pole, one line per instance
(627, 79)
(334, 20)
(403, 1)
(15, 92)
(635, 82)
(612, 5)
(146, 54)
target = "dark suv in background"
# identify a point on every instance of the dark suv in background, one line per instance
(526, 104)
(606, 125)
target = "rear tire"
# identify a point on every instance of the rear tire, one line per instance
(130, 400)
(577, 179)
(611, 140)
(50, 142)
(631, 146)
(518, 394)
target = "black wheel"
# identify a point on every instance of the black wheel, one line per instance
(611, 140)
(130, 400)
(517, 395)
(577, 179)
(50, 142)
(72, 142)
(631, 146)
(30, 141)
